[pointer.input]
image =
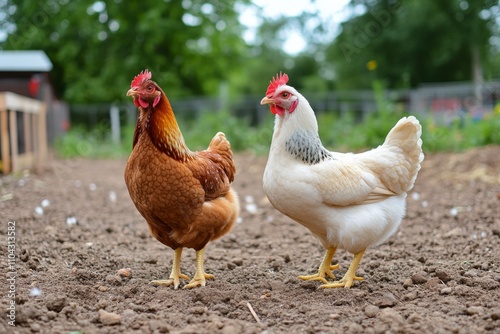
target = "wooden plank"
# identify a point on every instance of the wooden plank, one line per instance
(27, 131)
(42, 135)
(4, 132)
(13, 139)
(14, 101)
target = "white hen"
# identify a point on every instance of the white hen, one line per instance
(348, 201)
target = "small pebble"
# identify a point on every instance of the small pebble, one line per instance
(39, 210)
(371, 311)
(124, 272)
(470, 273)
(109, 318)
(419, 279)
(35, 327)
(407, 283)
(446, 291)
(443, 276)
(495, 314)
(112, 196)
(475, 310)
(45, 203)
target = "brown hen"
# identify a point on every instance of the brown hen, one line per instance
(185, 197)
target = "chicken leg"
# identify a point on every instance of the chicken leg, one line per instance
(200, 276)
(349, 277)
(325, 268)
(175, 275)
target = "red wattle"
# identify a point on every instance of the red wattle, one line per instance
(143, 102)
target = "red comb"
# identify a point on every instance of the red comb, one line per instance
(140, 78)
(279, 80)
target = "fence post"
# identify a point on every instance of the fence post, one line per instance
(114, 114)
(42, 135)
(4, 132)
(13, 138)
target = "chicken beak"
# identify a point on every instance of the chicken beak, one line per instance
(132, 92)
(267, 100)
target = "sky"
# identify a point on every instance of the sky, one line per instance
(330, 12)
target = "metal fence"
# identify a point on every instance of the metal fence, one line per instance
(444, 102)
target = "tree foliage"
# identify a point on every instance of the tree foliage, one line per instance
(414, 41)
(97, 47)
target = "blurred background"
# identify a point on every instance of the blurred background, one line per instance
(362, 64)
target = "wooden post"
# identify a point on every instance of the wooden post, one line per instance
(4, 132)
(13, 139)
(42, 135)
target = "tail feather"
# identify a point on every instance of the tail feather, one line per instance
(406, 135)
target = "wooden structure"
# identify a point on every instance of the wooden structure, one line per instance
(23, 133)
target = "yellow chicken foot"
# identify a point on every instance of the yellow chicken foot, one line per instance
(200, 276)
(175, 275)
(325, 268)
(349, 277)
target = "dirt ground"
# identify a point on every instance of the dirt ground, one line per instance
(84, 257)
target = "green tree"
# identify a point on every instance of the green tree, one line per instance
(415, 41)
(97, 47)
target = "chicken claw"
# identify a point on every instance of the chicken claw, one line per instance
(175, 275)
(349, 277)
(200, 276)
(324, 269)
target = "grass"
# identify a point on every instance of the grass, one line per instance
(341, 133)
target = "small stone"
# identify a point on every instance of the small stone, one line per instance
(56, 303)
(197, 310)
(35, 327)
(470, 273)
(356, 328)
(419, 279)
(474, 310)
(495, 314)
(109, 318)
(443, 276)
(446, 291)
(238, 262)
(407, 283)
(371, 311)
(114, 279)
(124, 272)
(51, 315)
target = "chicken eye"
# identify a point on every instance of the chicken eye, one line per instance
(284, 94)
(150, 88)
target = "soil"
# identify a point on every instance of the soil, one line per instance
(84, 257)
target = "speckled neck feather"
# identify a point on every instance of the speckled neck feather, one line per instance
(306, 146)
